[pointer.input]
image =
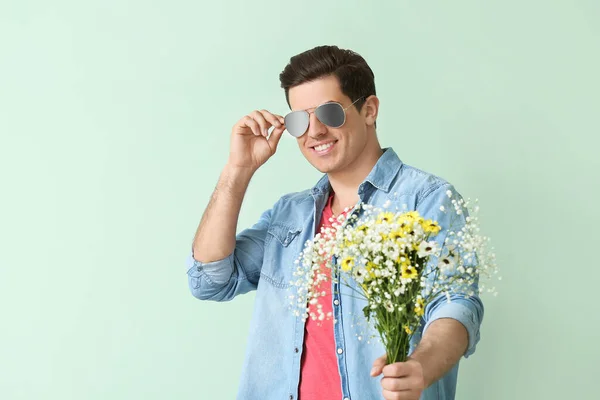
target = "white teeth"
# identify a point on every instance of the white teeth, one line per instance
(323, 146)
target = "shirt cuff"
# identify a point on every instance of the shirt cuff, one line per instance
(217, 272)
(461, 312)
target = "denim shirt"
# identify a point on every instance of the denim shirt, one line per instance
(263, 260)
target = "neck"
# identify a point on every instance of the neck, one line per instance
(345, 183)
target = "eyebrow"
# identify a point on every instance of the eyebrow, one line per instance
(328, 101)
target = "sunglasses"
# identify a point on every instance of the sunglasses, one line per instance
(332, 114)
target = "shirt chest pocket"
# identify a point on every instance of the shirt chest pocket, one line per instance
(282, 248)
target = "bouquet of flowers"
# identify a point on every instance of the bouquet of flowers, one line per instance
(398, 262)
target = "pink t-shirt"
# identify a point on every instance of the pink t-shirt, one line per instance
(319, 374)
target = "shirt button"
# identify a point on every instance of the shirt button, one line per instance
(291, 397)
(340, 351)
(296, 350)
(337, 302)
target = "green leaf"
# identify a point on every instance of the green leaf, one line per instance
(367, 312)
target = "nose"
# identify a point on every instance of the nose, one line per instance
(316, 128)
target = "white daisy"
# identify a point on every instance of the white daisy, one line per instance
(447, 263)
(389, 306)
(427, 248)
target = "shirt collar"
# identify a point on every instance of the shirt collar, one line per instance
(381, 176)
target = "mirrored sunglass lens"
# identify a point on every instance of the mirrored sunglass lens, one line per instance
(331, 114)
(296, 123)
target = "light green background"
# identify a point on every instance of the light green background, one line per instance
(115, 120)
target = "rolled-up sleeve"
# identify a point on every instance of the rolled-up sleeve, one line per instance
(466, 308)
(217, 272)
(467, 311)
(238, 273)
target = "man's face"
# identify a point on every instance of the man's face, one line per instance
(329, 149)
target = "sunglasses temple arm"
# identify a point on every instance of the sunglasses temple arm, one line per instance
(353, 103)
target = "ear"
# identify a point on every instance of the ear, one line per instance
(371, 108)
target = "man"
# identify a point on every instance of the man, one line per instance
(331, 93)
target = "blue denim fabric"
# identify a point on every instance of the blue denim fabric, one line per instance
(263, 260)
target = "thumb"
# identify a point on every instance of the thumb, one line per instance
(378, 365)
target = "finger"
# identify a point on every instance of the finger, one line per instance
(403, 395)
(270, 116)
(252, 124)
(273, 119)
(275, 137)
(378, 365)
(398, 384)
(264, 125)
(396, 370)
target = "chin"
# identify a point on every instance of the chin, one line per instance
(325, 167)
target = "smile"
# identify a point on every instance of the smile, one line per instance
(324, 148)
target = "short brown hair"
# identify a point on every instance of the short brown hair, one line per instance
(354, 75)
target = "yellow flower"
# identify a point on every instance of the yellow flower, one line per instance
(415, 215)
(402, 260)
(395, 235)
(409, 272)
(361, 228)
(405, 224)
(346, 244)
(430, 226)
(407, 329)
(419, 310)
(371, 267)
(347, 264)
(411, 217)
(386, 217)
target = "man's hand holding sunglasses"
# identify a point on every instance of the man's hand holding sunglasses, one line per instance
(251, 143)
